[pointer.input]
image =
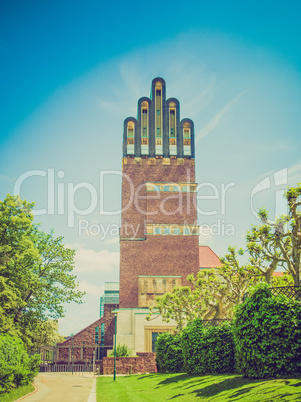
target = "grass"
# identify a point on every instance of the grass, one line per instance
(16, 393)
(183, 387)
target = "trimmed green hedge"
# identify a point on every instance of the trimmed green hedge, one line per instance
(208, 350)
(169, 355)
(267, 333)
(16, 366)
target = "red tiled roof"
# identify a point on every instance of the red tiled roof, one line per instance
(277, 273)
(207, 258)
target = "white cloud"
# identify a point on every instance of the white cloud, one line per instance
(95, 261)
(87, 260)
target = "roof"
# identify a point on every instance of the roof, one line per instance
(207, 258)
(278, 273)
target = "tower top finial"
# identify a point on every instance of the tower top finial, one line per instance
(158, 130)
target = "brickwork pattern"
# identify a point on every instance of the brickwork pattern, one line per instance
(87, 335)
(143, 363)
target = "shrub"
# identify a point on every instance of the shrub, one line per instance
(169, 354)
(267, 333)
(16, 366)
(121, 351)
(208, 350)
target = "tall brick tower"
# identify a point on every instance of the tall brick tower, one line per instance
(159, 233)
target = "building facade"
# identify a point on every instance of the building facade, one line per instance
(159, 233)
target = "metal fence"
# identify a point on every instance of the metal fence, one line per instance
(292, 292)
(215, 322)
(66, 368)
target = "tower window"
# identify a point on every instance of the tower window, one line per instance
(176, 231)
(144, 141)
(166, 188)
(144, 111)
(172, 112)
(157, 231)
(186, 231)
(144, 132)
(158, 112)
(166, 230)
(158, 141)
(158, 130)
(158, 92)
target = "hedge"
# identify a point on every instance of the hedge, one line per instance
(267, 334)
(16, 366)
(208, 350)
(169, 354)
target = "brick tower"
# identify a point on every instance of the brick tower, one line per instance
(159, 233)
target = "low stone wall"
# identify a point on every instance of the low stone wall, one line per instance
(142, 363)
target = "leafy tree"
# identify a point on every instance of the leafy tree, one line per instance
(181, 305)
(35, 271)
(278, 243)
(213, 295)
(45, 333)
(223, 288)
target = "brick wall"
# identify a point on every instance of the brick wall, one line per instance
(87, 335)
(160, 255)
(143, 363)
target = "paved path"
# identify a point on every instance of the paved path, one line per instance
(63, 388)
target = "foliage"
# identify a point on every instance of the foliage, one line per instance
(208, 350)
(169, 354)
(214, 293)
(17, 368)
(285, 280)
(45, 333)
(35, 272)
(223, 288)
(17, 393)
(181, 305)
(278, 243)
(267, 333)
(121, 351)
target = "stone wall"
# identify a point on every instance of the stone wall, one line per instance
(142, 363)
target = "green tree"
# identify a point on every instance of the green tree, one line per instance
(213, 294)
(223, 287)
(181, 305)
(35, 271)
(278, 244)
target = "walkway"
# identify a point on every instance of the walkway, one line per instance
(63, 388)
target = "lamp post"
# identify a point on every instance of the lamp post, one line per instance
(115, 314)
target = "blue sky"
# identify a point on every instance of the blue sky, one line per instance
(71, 72)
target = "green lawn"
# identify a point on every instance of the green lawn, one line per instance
(16, 393)
(183, 387)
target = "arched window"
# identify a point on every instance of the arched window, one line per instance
(158, 118)
(186, 139)
(172, 129)
(144, 128)
(131, 138)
